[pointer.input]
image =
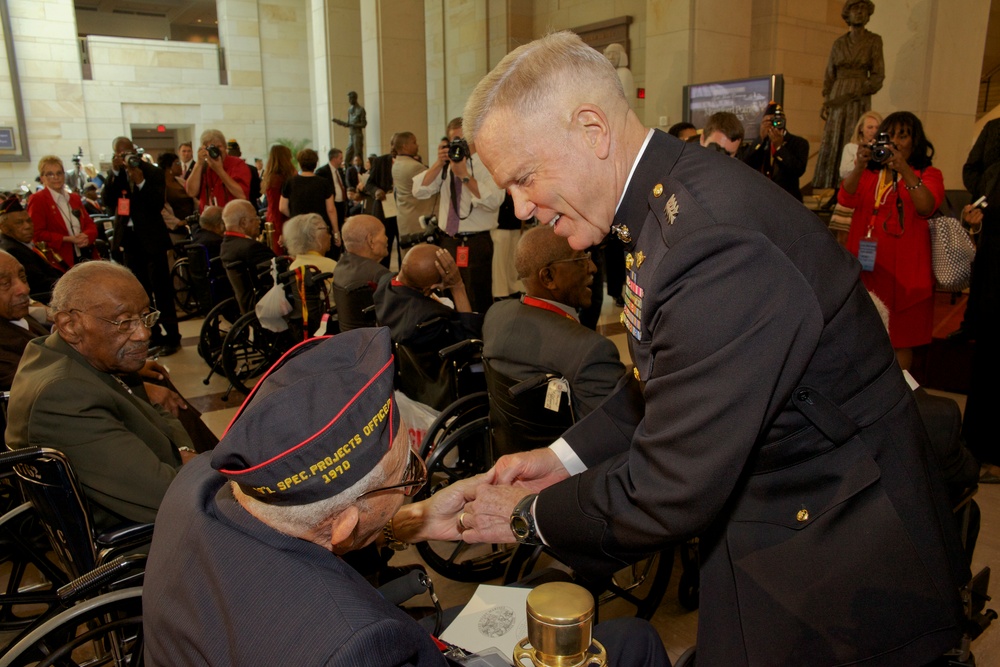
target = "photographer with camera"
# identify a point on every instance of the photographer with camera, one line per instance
(467, 210)
(217, 178)
(778, 154)
(135, 192)
(893, 189)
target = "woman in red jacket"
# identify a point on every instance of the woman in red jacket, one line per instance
(892, 201)
(59, 217)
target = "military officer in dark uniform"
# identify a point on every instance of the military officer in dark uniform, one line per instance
(767, 414)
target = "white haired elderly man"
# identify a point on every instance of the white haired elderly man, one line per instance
(767, 414)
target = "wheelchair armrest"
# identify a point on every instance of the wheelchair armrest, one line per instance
(100, 577)
(450, 351)
(14, 456)
(398, 591)
(136, 533)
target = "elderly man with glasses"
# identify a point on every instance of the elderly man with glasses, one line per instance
(77, 391)
(541, 331)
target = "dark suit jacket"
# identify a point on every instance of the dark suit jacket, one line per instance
(380, 178)
(789, 161)
(250, 253)
(402, 309)
(123, 449)
(771, 420)
(327, 172)
(254, 195)
(51, 227)
(41, 275)
(522, 341)
(148, 235)
(13, 340)
(210, 555)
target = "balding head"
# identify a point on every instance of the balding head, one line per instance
(98, 306)
(419, 270)
(211, 220)
(364, 235)
(240, 216)
(551, 269)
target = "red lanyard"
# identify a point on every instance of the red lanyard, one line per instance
(545, 305)
(236, 234)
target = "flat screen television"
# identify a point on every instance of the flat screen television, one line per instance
(747, 98)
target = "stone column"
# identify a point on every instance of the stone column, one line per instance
(395, 79)
(933, 57)
(339, 70)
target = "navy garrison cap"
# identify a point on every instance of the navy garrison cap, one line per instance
(320, 420)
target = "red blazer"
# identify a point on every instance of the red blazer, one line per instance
(51, 227)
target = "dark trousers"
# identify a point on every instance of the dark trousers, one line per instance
(154, 274)
(391, 233)
(478, 275)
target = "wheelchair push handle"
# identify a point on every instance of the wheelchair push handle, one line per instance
(15, 456)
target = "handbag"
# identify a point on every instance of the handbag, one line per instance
(952, 252)
(273, 307)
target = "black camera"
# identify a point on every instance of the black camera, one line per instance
(778, 121)
(78, 157)
(133, 160)
(458, 150)
(431, 233)
(882, 148)
(214, 152)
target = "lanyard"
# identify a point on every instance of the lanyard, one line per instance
(545, 305)
(886, 183)
(236, 234)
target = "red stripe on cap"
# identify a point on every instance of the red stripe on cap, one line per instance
(275, 366)
(320, 431)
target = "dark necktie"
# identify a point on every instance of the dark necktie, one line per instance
(456, 201)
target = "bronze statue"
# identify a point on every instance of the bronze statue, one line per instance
(356, 123)
(854, 73)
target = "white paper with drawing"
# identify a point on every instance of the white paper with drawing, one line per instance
(495, 616)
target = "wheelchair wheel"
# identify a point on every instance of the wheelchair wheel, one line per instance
(459, 413)
(463, 453)
(249, 350)
(104, 630)
(31, 578)
(214, 329)
(185, 293)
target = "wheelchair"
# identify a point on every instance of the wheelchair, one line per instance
(96, 617)
(199, 281)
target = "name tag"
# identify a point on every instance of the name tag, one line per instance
(462, 256)
(866, 254)
(123, 206)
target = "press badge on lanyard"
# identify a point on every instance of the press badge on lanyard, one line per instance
(123, 205)
(462, 256)
(866, 254)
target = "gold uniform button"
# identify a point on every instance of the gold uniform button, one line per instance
(658, 189)
(802, 515)
(635, 372)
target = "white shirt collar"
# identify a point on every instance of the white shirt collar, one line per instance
(635, 163)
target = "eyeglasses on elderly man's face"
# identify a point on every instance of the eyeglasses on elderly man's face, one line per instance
(414, 477)
(129, 325)
(585, 257)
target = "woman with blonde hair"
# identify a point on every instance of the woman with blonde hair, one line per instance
(864, 134)
(278, 170)
(60, 219)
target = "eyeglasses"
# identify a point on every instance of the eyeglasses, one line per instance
(414, 477)
(127, 326)
(585, 257)
(54, 174)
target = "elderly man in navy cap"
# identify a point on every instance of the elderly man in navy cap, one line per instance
(241, 571)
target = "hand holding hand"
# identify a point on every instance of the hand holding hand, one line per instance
(533, 470)
(487, 515)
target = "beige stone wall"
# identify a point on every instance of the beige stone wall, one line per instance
(932, 62)
(551, 15)
(345, 71)
(148, 82)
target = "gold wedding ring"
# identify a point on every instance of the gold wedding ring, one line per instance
(461, 522)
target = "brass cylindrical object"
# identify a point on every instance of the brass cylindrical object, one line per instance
(560, 620)
(269, 234)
